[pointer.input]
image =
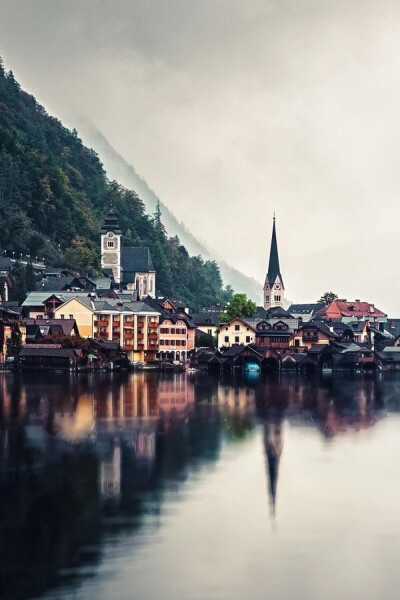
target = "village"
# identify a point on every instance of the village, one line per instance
(116, 320)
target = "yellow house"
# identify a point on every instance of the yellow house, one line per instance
(236, 331)
(81, 310)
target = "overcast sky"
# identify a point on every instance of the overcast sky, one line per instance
(232, 109)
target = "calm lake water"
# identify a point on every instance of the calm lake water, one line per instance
(196, 487)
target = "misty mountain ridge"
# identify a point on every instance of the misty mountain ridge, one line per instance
(119, 169)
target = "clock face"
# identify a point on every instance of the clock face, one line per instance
(110, 234)
(277, 286)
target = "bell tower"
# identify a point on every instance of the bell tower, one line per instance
(111, 245)
(274, 289)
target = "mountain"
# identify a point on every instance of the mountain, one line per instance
(118, 168)
(54, 193)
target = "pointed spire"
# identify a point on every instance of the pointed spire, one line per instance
(110, 222)
(273, 266)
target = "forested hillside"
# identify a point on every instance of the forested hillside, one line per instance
(118, 168)
(54, 193)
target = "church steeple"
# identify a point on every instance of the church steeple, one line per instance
(111, 245)
(273, 287)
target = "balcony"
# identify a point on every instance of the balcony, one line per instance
(140, 323)
(129, 324)
(101, 334)
(140, 346)
(152, 325)
(152, 336)
(128, 335)
(101, 323)
(127, 347)
(116, 329)
(140, 336)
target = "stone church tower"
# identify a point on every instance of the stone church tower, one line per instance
(111, 245)
(274, 290)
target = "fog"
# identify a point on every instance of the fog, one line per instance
(232, 110)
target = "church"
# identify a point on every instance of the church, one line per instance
(274, 289)
(131, 267)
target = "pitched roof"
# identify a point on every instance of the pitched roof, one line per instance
(342, 308)
(273, 265)
(54, 284)
(110, 222)
(37, 298)
(135, 260)
(305, 309)
(206, 318)
(277, 312)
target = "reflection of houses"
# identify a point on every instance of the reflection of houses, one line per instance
(273, 444)
(110, 471)
(175, 394)
(388, 359)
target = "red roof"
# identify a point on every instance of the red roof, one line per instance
(341, 308)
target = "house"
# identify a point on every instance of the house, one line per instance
(305, 311)
(207, 321)
(177, 329)
(5, 285)
(48, 356)
(41, 305)
(388, 359)
(134, 325)
(12, 331)
(352, 311)
(275, 334)
(39, 328)
(312, 332)
(130, 267)
(237, 331)
(352, 356)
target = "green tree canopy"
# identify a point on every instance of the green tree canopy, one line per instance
(238, 306)
(328, 297)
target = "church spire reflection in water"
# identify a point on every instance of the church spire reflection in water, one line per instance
(273, 444)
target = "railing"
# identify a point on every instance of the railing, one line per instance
(128, 335)
(152, 325)
(100, 323)
(101, 334)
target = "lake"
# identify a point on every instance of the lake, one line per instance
(199, 487)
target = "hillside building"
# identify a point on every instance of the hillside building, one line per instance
(131, 267)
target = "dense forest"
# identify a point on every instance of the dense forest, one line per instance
(54, 193)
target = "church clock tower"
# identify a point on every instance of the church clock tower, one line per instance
(111, 245)
(274, 290)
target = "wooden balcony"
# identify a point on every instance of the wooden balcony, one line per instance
(129, 324)
(140, 336)
(140, 323)
(128, 335)
(152, 336)
(101, 323)
(152, 325)
(101, 334)
(116, 329)
(127, 347)
(140, 346)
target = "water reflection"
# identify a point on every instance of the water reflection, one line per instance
(88, 459)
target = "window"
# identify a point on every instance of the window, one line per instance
(266, 298)
(247, 339)
(209, 331)
(236, 339)
(237, 327)
(226, 339)
(110, 244)
(61, 316)
(277, 298)
(71, 316)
